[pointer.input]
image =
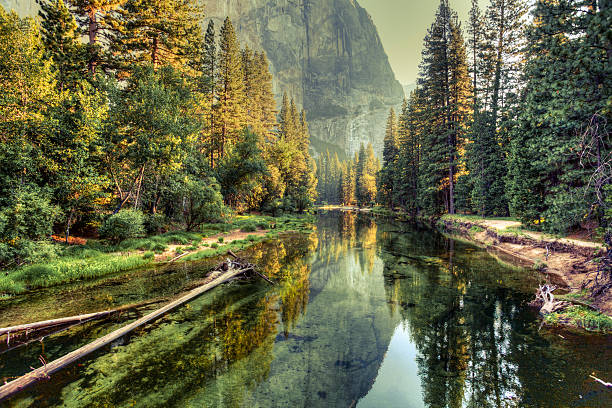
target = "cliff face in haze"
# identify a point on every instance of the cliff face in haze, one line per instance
(326, 54)
(21, 7)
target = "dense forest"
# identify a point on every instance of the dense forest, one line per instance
(350, 182)
(131, 110)
(509, 117)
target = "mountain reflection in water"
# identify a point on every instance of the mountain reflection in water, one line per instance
(370, 313)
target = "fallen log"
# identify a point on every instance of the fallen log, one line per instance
(45, 324)
(46, 370)
(242, 261)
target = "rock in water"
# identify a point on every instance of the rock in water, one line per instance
(327, 55)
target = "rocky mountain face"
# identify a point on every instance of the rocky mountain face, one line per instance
(21, 7)
(327, 55)
(324, 53)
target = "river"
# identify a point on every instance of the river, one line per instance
(370, 313)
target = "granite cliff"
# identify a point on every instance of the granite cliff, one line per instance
(326, 54)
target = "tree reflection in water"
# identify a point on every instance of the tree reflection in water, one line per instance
(322, 336)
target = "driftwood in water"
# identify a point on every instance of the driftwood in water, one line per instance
(242, 262)
(546, 300)
(602, 382)
(46, 370)
(46, 324)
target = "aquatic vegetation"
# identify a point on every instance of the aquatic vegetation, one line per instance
(580, 316)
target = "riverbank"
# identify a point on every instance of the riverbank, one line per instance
(95, 259)
(564, 262)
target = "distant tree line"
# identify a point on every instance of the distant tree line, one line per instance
(114, 105)
(350, 182)
(512, 121)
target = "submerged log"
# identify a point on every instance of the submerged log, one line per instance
(46, 324)
(17, 385)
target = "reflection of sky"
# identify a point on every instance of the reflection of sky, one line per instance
(398, 383)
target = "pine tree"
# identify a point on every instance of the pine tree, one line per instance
(159, 32)
(568, 60)
(229, 112)
(503, 53)
(406, 171)
(445, 82)
(61, 38)
(390, 155)
(366, 176)
(265, 99)
(209, 69)
(97, 22)
(476, 46)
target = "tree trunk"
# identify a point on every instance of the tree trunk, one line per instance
(93, 32)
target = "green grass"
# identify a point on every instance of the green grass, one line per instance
(67, 269)
(581, 316)
(100, 258)
(470, 217)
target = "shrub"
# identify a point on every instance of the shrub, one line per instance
(203, 202)
(220, 239)
(25, 222)
(123, 225)
(214, 245)
(250, 227)
(155, 223)
(37, 274)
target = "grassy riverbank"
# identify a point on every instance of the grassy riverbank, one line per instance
(98, 258)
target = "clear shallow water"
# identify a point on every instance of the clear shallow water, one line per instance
(370, 314)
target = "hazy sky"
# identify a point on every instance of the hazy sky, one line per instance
(402, 25)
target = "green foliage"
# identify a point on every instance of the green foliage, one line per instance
(365, 182)
(155, 223)
(127, 223)
(583, 317)
(556, 146)
(61, 38)
(203, 202)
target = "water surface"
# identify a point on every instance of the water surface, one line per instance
(370, 313)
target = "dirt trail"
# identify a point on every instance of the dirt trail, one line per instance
(228, 238)
(501, 225)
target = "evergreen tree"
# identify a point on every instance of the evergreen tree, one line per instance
(209, 68)
(390, 155)
(61, 38)
(406, 171)
(445, 82)
(367, 167)
(568, 60)
(229, 110)
(158, 32)
(97, 22)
